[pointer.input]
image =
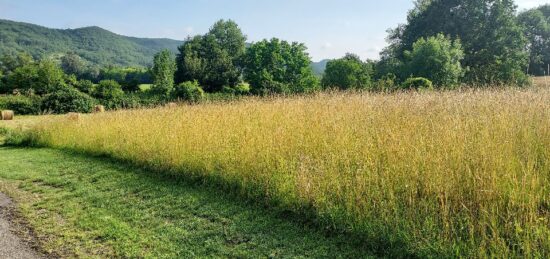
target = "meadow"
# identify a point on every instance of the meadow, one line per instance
(429, 174)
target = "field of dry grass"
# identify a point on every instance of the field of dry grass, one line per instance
(542, 81)
(463, 173)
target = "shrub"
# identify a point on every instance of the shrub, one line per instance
(85, 86)
(438, 59)
(417, 83)
(348, 72)
(242, 88)
(68, 99)
(109, 93)
(189, 91)
(21, 104)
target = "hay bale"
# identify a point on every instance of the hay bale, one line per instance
(73, 116)
(171, 105)
(99, 109)
(7, 115)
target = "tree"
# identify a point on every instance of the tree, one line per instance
(10, 62)
(50, 77)
(109, 93)
(212, 59)
(536, 25)
(41, 78)
(72, 64)
(494, 44)
(163, 73)
(437, 59)
(67, 99)
(276, 66)
(348, 72)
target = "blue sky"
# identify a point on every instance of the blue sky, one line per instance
(329, 28)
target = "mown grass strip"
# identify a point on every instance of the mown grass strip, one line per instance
(81, 206)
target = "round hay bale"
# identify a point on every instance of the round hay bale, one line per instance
(99, 109)
(73, 116)
(171, 105)
(7, 115)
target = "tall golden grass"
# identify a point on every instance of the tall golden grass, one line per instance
(463, 173)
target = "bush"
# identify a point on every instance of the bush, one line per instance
(438, 59)
(417, 83)
(109, 93)
(189, 91)
(21, 105)
(85, 86)
(349, 72)
(68, 99)
(242, 88)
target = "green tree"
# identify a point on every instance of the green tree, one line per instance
(536, 24)
(212, 59)
(276, 66)
(163, 73)
(10, 62)
(109, 93)
(50, 77)
(493, 42)
(348, 72)
(67, 99)
(40, 78)
(437, 59)
(72, 64)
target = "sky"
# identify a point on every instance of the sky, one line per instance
(329, 28)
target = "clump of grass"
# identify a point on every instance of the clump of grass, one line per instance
(464, 173)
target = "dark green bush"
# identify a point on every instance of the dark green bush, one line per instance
(189, 91)
(85, 86)
(68, 99)
(21, 104)
(109, 93)
(417, 83)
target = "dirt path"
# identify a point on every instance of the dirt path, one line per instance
(11, 246)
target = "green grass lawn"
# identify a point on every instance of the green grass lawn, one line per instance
(82, 206)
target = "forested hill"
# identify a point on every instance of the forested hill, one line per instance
(94, 44)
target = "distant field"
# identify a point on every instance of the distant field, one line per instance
(463, 173)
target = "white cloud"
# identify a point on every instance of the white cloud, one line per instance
(326, 45)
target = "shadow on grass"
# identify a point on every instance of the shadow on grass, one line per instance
(141, 212)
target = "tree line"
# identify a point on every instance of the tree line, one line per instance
(444, 44)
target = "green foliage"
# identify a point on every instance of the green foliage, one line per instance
(163, 73)
(348, 72)
(536, 25)
(212, 59)
(40, 78)
(85, 86)
(20, 104)
(494, 45)
(10, 62)
(72, 64)
(109, 93)
(129, 77)
(417, 83)
(67, 99)
(276, 66)
(242, 88)
(437, 59)
(189, 91)
(94, 45)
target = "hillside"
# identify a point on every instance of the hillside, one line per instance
(319, 67)
(94, 44)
